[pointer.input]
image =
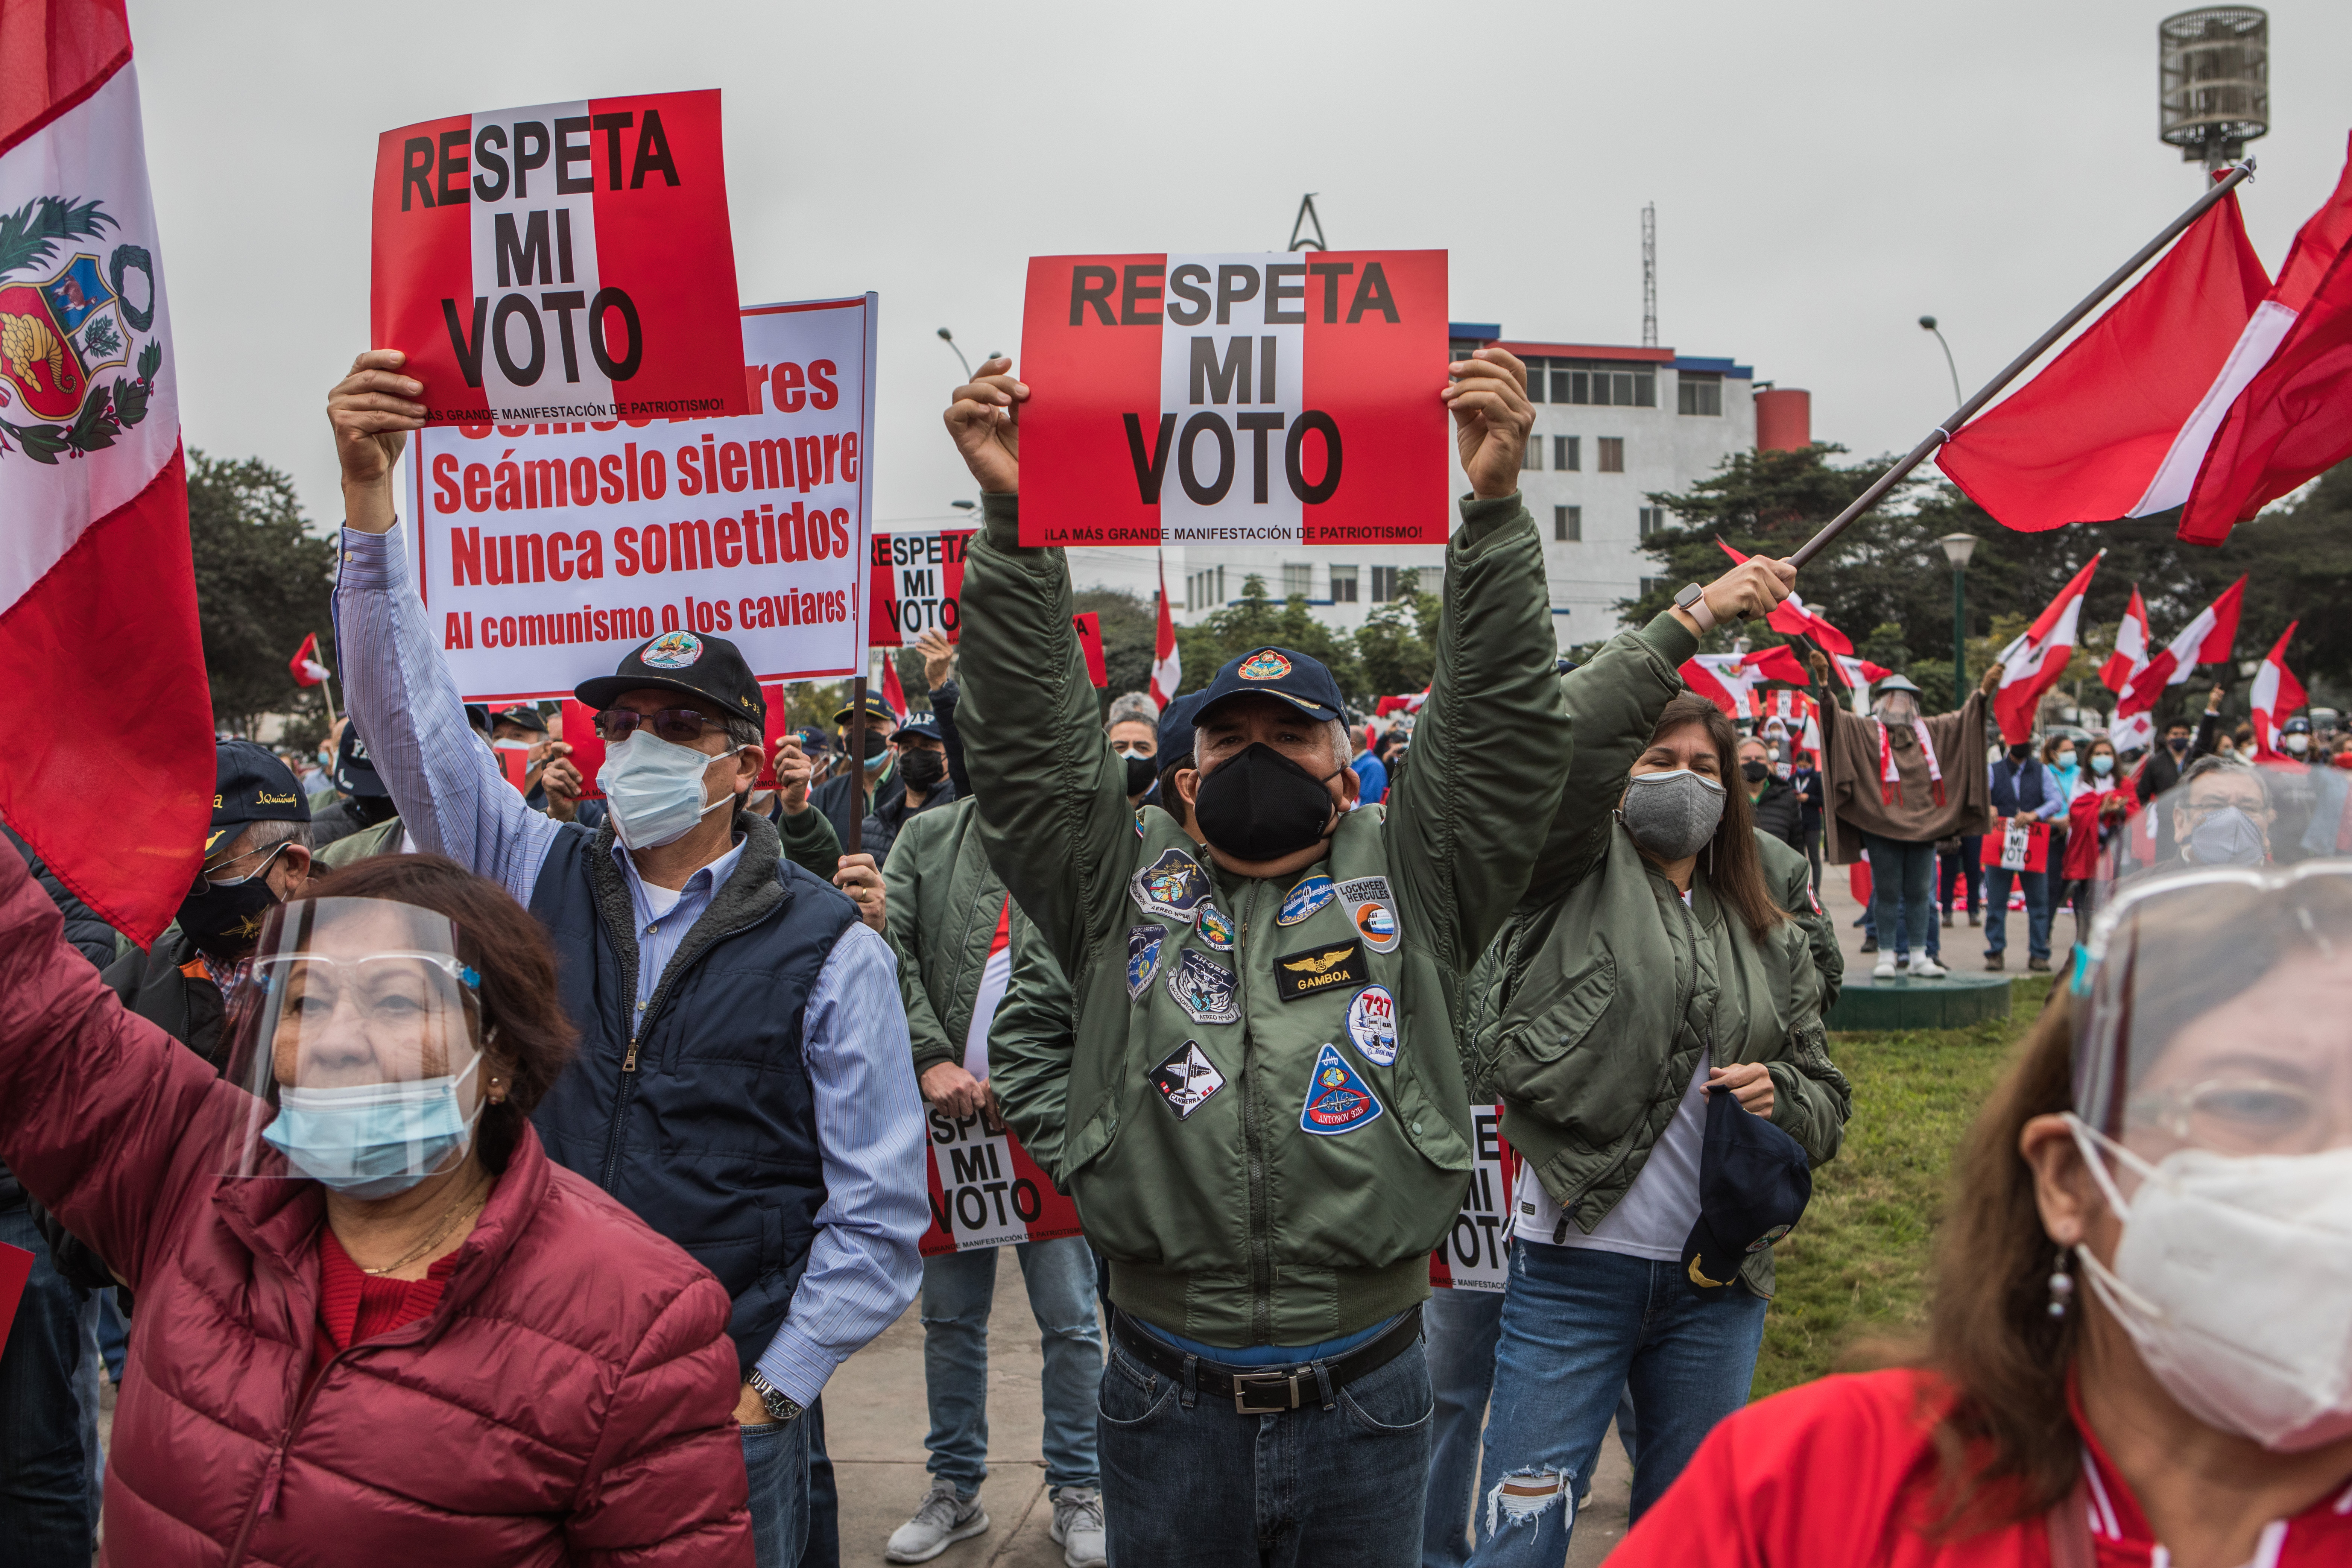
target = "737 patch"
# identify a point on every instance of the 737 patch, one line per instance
(1215, 929)
(1204, 989)
(1174, 885)
(1186, 1079)
(1320, 969)
(1373, 1026)
(1337, 1099)
(1304, 900)
(1371, 908)
(1142, 957)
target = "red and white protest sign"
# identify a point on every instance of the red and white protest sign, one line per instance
(2019, 844)
(986, 1190)
(1235, 399)
(1090, 644)
(561, 261)
(1474, 1254)
(917, 583)
(549, 550)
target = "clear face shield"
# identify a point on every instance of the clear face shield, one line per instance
(2212, 1100)
(1894, 709)
(357, 1037)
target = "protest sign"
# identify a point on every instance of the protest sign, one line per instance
(587, 746)
(1235, 399)
(549, 551)
(917, 583)
(561, 261)
(986, 1190)
(1473, 1256)
(16, 1268)
(2021, 845)
(1089, 627)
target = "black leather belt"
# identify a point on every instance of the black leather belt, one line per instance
(1265, 1391)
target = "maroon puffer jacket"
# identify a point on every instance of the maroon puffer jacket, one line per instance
(570, 1400)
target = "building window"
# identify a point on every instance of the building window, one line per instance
(1567, 453)
(1654, 518)
(1535, 380)
(1205, 590)
(1297, 579)
(1700, 393)
(1531, 458)
(1612, 453)
(1384, 584)
(1567, 524)
(1343, 585)
(1430, 580)
(1602, 383)
(1653, 586)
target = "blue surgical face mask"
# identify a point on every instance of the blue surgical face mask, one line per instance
(2102, 764)
(372, 1139)
(655, 790)
(2227, 838)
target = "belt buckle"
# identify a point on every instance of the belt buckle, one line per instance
(1281, 1383)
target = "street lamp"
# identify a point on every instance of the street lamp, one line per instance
(1958, 548)
(948, 338)
(1928, 323)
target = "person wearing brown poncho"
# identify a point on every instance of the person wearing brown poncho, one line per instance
(1895, 783)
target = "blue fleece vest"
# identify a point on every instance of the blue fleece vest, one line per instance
(712, 1138)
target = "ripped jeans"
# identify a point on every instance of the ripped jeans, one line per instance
(1579, 1325)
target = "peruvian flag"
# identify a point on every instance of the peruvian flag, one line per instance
(97, 599)
(1861, 674)
(2205, 641)
(2032, 665)
(1793, 618)
(2292, 419)
(1723, 680)
(1779, 662)
(2131, 646)
(304, 665)
(2117, 424)
(894, 695)
(1166, 660)
(1408, 703)
(2276, 695)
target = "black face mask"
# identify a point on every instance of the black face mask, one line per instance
(1261, 806)
(225, 921)
(922, 769)
(2021, 755)
(1140, 772)
(875, 746)
(2176, 742)
(1753, 772)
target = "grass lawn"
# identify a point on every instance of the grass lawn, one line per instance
(1858, 1263)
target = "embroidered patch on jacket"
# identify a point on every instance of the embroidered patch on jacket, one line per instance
(1304, 900)
(1337, 1099)
(1204, 989)
(1373, 1026)
(1320, 969)
(1173, 885)
(1215, 929)
(1371, 908)
(1187, 1079)
(1142, 957)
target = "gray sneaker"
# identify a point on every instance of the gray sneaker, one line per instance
(1078, 1525)
(943, 1521)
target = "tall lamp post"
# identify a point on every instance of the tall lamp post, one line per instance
(1928, 324)
(1958, 548)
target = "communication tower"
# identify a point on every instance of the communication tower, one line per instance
(1650, 275)
(2213, 77)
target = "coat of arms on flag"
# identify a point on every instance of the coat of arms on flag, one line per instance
(67, 318)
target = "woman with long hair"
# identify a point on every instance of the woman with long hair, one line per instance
(1649, 969)
(2141, 1342)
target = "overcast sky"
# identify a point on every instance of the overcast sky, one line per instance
(1823, 172)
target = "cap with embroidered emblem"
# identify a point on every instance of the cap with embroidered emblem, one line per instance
(696, 664)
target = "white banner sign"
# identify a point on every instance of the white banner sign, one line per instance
(547, 551)
(1474, 1254)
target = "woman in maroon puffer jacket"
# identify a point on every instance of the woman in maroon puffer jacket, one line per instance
(497, 1365)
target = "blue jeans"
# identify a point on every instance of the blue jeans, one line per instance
(776, 1462)
(2037, 910)
(957, 1289)
(1187, 1480)
(823, 1548)
(1461, 1326)
(1579, 1325)
(49, 1420)
(1901, 874)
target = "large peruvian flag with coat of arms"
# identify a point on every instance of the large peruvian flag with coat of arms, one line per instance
(98, 602)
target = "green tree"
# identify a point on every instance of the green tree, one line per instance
(1131, 628)
(1255, 619)
(1396, 646)
(263, 582)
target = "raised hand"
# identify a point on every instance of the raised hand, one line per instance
(371, 410)
(794, 771)
(1492, 417)
(985, 418)
(938, 656)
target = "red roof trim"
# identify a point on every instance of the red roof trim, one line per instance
(1587, 350)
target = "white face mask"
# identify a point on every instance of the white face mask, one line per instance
(2298, 744)
(2231, 1278)
(512, 743)
(655, 790)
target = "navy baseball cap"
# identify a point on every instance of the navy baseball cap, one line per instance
(251, 785)
(355, 773)
(694, 663)
(921, 724)
(1297, 679)
(1754, 1182)
(524, 716)
(875, 709)
(1176, 731)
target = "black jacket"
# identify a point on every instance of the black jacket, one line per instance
(90, 935)
(882, 823)
(2164, 770)
(839, 796)
(1779, 811)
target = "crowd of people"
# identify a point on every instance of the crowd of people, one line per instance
(497, 1163)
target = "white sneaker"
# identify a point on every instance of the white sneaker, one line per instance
(1925, 968)
(943, 1521)
(1885, 970)
(1078, 1526)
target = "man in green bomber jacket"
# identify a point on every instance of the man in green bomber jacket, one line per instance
(1263, 1121)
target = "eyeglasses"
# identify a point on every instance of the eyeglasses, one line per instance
(2198, 811)
(205, 882)
(2237, 1115)
(678, 726)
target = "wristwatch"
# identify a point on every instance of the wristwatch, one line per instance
(1692, 600)
(781, 1407)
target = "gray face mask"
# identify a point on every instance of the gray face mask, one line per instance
(2228, 837)
(1672, 814)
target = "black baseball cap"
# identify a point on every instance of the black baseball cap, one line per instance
(524, 716)
(921, 724)
(875, 709)
(477, 714)
(1754, 1182)
(1176, 731)
(251, 785)
(694, 663)
(1296, 678)
(355, 773)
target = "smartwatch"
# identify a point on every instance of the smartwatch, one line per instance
(1691, 601)
(781, 1407)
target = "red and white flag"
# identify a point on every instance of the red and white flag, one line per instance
(2276, 695)
(1408, 703)
(1167, 659)
(2032, 665)
(1793, 618)
(2205, 641)
(1779, 662)
(2291, 418)
(304, 665)
(98, 600)
(1861, 674)
(894, 695)
(2117, 424)
(2131, 646)
(1723, 680)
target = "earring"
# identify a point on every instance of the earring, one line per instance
(2061, 1288)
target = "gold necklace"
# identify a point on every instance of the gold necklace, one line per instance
(448, 1220)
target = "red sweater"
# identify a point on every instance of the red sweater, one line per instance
(355, 1306)
(1837, 1474)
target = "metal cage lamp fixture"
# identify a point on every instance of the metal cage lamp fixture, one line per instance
(2213, 89)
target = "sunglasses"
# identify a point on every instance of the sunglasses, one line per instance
(678, 726)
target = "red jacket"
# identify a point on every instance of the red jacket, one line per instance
(2084, 838)
(1837, 1474)
(570, 1399)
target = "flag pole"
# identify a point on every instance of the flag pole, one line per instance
(2018, 366)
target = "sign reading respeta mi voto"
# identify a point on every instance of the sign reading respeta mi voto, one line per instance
(1260, 397)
